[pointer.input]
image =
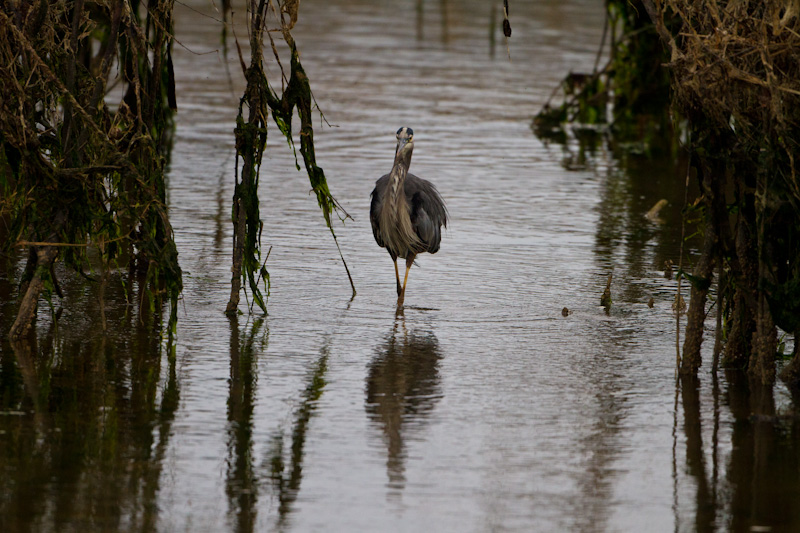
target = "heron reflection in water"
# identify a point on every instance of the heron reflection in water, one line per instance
(403, 387)
(407, 213)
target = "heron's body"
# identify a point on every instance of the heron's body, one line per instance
(407, 213)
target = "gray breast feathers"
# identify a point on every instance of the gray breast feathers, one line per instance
(411, 222)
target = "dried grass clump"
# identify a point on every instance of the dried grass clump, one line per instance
(737, 62)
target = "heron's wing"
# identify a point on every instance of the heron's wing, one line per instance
(375, 206)
(428, 212)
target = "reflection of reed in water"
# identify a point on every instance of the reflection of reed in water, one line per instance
(402, 388)
(753, 486)
(241, 483)
(444, 12)
(696, 462)
(95, 414)
(287, 468)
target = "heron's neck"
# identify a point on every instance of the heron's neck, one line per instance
(398, 175)
(397, 179)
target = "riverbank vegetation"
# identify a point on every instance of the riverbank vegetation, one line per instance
(721, 78)
(82, 170)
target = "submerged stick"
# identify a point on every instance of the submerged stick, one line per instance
(43, 259)
(605, 299)
(27, 309)
(678, 297)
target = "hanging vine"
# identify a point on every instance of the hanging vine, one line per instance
(251, 137)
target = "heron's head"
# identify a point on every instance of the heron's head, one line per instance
(405, 142)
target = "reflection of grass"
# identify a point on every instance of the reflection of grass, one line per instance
(287, 483)
(242, 481)
(95, 430)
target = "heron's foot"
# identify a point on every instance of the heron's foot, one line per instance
(401, 296)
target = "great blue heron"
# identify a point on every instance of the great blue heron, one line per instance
(407, 213)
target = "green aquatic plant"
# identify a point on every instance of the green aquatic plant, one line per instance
(627, 97)
(251, 139)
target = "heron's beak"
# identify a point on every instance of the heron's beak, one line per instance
(404, 145)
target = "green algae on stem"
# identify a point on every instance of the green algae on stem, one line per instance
(251, 138)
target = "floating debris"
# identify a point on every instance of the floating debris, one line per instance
(565, 312)
(652, 215)
(651, 302)
(605, 299)
(668, 269)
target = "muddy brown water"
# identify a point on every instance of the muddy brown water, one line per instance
(480, 407)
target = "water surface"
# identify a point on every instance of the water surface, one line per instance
(480, 407)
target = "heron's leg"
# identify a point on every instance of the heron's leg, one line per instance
(396, 272)
(409, 261)
(397, 275)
